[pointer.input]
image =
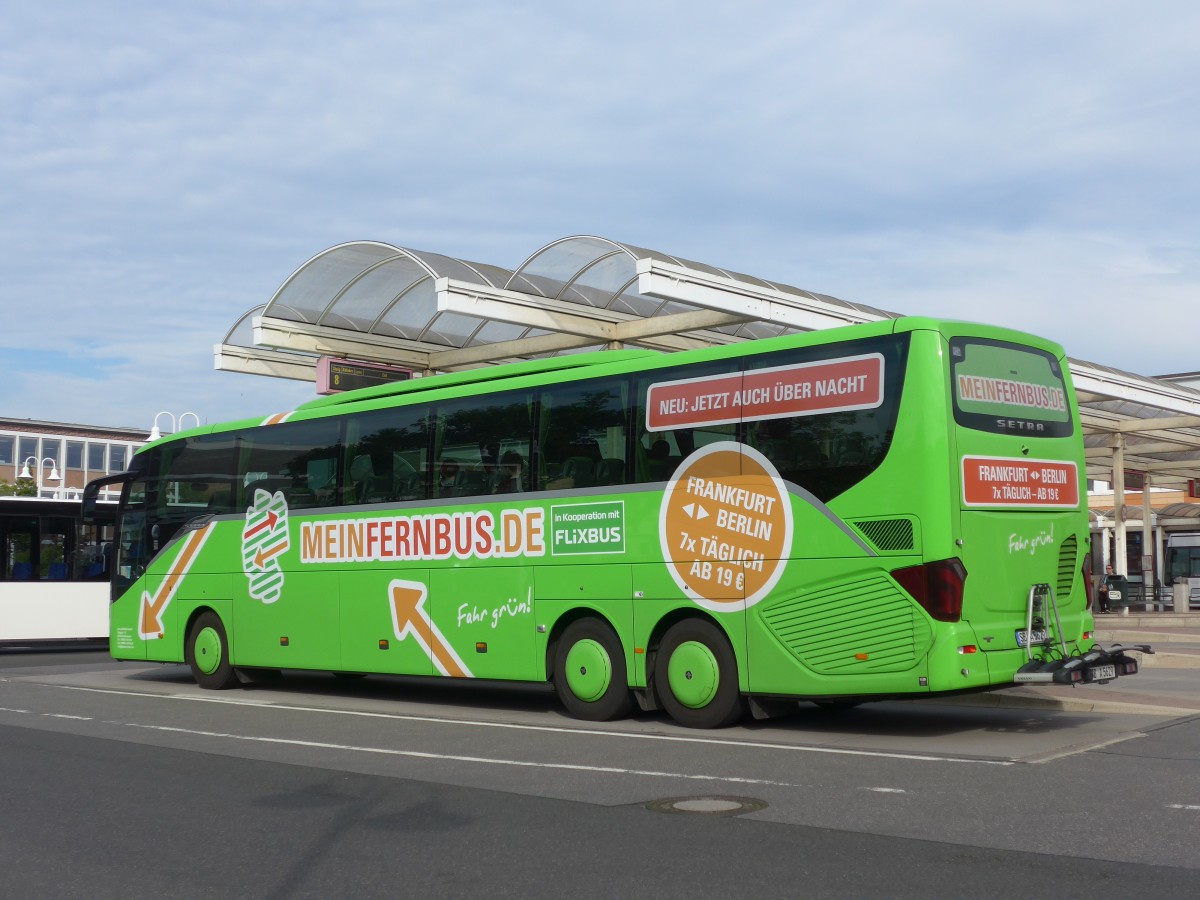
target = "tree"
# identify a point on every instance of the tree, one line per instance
(20, 489)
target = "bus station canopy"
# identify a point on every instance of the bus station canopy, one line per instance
(373, 302)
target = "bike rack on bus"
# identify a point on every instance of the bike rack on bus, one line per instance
(1036, 594)
(1096, 665)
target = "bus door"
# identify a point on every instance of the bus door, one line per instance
(19, 546)
(1019, 467)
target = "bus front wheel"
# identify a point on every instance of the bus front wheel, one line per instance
(589, 672)
(207, 653)
(695, 674)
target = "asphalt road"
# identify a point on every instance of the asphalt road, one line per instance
(127, 780)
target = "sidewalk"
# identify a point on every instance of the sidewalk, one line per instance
(1168, 682)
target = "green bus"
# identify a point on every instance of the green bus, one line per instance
(886, 510)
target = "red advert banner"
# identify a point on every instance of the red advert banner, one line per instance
(838, 385)
(1031, 483)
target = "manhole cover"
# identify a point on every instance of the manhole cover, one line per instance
(707, 806)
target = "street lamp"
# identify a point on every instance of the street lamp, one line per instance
(40, 465)
(176, 424)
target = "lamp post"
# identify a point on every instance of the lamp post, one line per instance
(40, 465)
(176, 423)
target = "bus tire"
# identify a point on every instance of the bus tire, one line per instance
(207, 653)
(589, 672)
(695, 674)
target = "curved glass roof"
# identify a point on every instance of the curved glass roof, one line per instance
(368, 287)
(602, 273)
(372, 301)
(374, 288)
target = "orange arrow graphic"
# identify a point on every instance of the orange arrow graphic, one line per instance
(154, 606)
(409, 617)
(265, 525)
(265, 553)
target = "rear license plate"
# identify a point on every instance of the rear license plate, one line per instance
(1102, 673)
(1039, 637)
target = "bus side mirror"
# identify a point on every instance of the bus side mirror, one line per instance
(95, 513)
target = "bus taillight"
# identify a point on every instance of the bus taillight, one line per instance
(937, 586)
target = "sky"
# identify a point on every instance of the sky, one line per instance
(165, 167)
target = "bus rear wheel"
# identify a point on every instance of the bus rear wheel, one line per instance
(695, 675)
(589, 672)
(207, 653)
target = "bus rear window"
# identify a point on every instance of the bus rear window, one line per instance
(1008, 389)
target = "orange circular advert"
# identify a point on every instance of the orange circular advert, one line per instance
(726, 526)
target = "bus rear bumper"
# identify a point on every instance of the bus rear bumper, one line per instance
(1097, 666)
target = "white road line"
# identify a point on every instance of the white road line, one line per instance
(1188, 806)
(554, 729)
(448, 757)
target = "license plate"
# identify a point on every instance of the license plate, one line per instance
(1039, 637)
(1114, 595)
(1102, 673)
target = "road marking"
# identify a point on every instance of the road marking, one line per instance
(553, 729)
(1076, 749)
(1188, 806)
(449, 757)
(883, 790)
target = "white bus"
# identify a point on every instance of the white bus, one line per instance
(1183, 563)
(53, 572)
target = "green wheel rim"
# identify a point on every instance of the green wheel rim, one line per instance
(588, 670)
(693, 674)
(207, 650)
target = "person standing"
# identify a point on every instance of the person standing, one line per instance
(1102, 594)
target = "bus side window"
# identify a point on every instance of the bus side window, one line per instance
(475, 433)
(367, 485)
(660, 451)
(829, 452)
(583, 433)
(386, 456)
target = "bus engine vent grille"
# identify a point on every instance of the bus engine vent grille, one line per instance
(888, 535)
(865, 625)
(1067, 566)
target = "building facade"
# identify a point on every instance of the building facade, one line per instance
(53, 460)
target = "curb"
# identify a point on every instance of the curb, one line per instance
(1145, 637)
(1009, 700)
(1166, 660)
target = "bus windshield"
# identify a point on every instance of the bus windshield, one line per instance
(1183, 562)
(1005, 388)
